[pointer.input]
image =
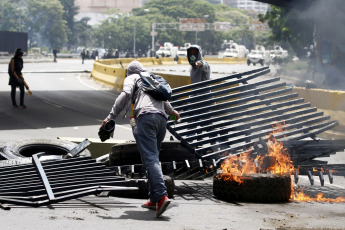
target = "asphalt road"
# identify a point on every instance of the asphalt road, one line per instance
(66, 102)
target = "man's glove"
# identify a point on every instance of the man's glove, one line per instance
(107, 130)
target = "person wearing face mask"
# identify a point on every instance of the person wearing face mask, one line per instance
(200, 70)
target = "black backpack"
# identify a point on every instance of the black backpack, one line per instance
(156, 86)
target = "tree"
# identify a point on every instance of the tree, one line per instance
(290, 27)
(12, 16)
(83, 32)
(69, 12)
(45, 19)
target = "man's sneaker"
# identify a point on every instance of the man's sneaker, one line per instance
(162, 205)
(22, 107)
(149, 205)
(15, 106)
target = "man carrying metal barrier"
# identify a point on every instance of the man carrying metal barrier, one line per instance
(149, 124)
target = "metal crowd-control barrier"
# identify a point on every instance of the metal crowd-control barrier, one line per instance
(229, 115)
(46, 182)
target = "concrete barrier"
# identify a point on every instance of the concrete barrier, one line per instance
(175, 80)
(216, 60)
(167, 61)
(110, 75)
(331, 102)
(228, 60)
(113, 71)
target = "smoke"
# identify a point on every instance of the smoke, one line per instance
(329, 18)
(329, 41)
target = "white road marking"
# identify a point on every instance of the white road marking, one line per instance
(50, 103)
(87, 85)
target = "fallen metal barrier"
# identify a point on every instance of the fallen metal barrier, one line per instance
(218, 120)
(45, 182)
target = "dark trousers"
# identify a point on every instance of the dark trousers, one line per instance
(13, 94)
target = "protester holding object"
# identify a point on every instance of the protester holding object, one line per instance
(16, 78)
(200, 70)
(149, 129)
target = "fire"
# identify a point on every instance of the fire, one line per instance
(275, 161)
(300, 196)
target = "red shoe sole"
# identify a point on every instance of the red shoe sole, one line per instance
(163, 208)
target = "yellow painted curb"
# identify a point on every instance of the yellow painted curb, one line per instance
(330, 102)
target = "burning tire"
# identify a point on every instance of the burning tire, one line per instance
(29, 147)
(261, 188)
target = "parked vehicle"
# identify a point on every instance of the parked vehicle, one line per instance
(259, 56)
(233, 50)
(182, 51)
(168, 50)
(278, 52)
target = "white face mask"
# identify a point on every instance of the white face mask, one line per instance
(192, 58)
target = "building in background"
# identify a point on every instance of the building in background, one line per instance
(96, 10)
(248, 5)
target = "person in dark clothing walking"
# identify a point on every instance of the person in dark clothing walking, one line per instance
(83, 54)
(15, 71)
(55, 51)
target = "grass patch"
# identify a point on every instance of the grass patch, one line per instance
(293, 66)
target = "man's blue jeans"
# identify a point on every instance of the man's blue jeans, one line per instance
(149, 134)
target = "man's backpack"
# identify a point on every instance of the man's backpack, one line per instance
(156, 86)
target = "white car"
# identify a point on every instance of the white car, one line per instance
(278, 52)
(182, 52)
(259, 57)
(231, 53)
(164, 52)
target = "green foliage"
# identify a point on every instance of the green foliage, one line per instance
(290, 27)
(83, 32)
(69, 12)
(233, 15)
(45, 19)
(12, 17)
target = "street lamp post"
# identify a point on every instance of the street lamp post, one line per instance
(134, 32)
(134, 37)
(153, 38)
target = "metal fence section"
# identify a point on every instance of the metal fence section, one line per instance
(231, 114)
(44, 182)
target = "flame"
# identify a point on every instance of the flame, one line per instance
(275, 161)
(301, 196)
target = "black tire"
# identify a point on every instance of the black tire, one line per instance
(143, 191)
(248, 62)
(29, 147)
(128, 154)
(262, 62)
(260, 188)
